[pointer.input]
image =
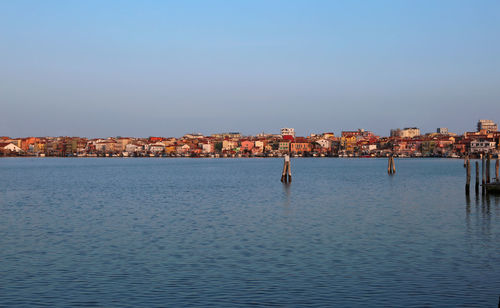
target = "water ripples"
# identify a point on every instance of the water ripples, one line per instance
(184, 232)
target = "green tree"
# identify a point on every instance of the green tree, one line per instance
(218, 146)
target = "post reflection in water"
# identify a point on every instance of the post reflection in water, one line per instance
(484, 199)
(486, 206)
(467, 211)
(467, 203)
(287, 193)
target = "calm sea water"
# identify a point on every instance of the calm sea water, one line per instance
(226, 232)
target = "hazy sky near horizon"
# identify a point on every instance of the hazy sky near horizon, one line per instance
(144, 68)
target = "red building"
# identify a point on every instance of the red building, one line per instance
(300, 145)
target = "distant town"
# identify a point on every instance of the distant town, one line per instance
(405, 142)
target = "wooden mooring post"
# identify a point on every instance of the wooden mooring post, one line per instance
(391, 166)
(497, 165)
(467, 183)
(477, 177)
(286, 176)
(483, 175)
(488, 167)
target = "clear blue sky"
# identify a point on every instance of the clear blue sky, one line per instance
(141, 68)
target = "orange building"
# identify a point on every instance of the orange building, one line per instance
(26, 142)
(296, 147)
(247, 145)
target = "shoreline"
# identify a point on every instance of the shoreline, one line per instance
(237, 157)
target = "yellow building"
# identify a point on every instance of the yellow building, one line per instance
(348, 143)
(170, 149)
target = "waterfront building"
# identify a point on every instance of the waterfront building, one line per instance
(264, 135)
(407, 141)
(407, 132)
(9, 147)
(461, 146)
(228, 145)
(28, 143)
(329, 135)
(360, 133)
(482, 146)
(487, 125)
(207, 148)
(122, 143)
(247, 145)
(154, 139)
(288, 132)
(182, 148)
(170, 149)
(300, 146)
(261, 144)
(367, 147)
(348, 143)
(324, 143)
(156, 147)
(257, 150)
(227, 135)
(17, 142)
(131, 148)
(284, 146)
(106, 145)
(437, 145)
(193, 136)
(442, 130)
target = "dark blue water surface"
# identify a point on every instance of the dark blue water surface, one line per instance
(226, 232)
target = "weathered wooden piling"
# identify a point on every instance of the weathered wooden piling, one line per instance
(488, 167)
(483, 175)
(477, 177)
(391, 166)
(467, 183)
(497, 165)
(289, 172)
(286, 175)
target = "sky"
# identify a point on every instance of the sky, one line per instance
(167, 68)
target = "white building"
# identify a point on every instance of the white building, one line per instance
(324, 143)
(193, 136)
(288, 132)
(133, 148)
(156, 147)
(478, 146)
(260, 144)
(228, 145)
(488, 125)
(442, 130)
(408, 132)
(207, 147)
(5, 146)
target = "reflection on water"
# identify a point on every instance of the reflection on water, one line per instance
(287, 192)
(486, 207)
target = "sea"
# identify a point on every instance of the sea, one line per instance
(202, 232)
